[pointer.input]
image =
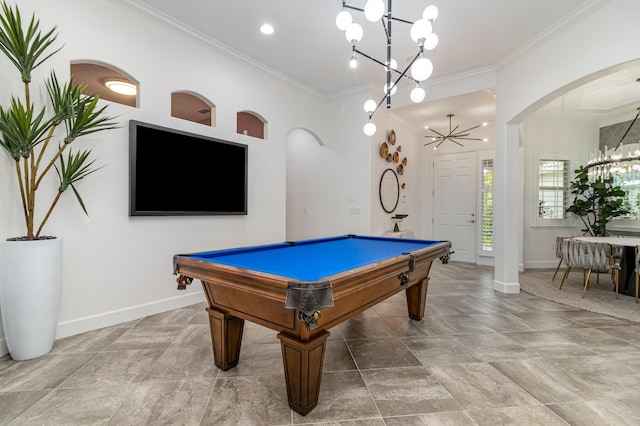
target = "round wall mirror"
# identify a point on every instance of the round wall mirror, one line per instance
(389, 190)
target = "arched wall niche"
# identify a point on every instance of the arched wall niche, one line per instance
(294, 134)
(96, 75)
(194, 107)
(251, 124)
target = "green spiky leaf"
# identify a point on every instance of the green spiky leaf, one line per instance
(26, 50)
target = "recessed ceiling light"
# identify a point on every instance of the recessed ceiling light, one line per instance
(266, 29)
(122, 87)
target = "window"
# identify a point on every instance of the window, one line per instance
(553, 189)
(486, 214)
(629, 182)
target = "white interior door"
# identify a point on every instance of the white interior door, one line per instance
(454, 203)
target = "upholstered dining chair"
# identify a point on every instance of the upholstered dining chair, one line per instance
(559, 252)
(570, 259)
(597, 257)
(591, 257)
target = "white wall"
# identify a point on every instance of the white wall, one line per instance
(320, 191)
(550, 139)
(328, 177)
(116, 267)
(410, 196)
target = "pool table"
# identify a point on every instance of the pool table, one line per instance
(302, 289)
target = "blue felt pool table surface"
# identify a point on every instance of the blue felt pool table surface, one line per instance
(313, 260)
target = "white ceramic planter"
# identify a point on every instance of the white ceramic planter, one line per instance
(30, 289)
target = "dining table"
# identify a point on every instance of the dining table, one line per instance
(627, 284)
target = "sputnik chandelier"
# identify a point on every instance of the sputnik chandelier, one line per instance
(453, 134)
(421, 33)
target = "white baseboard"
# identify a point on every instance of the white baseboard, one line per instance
(542, 264)
(507, 288)
(484, 261)
(108, 319)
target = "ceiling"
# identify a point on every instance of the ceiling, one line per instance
(308, 48)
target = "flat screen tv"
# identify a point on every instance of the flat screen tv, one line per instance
(174, 173)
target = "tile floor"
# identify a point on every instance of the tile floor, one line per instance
(477, 358)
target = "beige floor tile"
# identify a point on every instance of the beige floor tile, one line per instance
(77, 406)
(411, 390)
(479, 385)
(248, 401)
(164, 403)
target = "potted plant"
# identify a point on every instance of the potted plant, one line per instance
(37, 134)
(596, 202)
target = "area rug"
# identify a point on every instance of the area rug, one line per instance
(600, 297)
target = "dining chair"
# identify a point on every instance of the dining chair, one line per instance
(559, 252)
(597, 257)
(571, 257)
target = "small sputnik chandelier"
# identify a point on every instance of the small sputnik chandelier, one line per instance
(420, 67)
(438, 138)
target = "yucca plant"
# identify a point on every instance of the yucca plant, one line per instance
(29, 133)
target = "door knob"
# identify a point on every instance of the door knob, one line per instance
(472, 221)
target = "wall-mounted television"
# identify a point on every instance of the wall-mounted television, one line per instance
(175, 173)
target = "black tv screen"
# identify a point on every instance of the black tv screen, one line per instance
(174, 173)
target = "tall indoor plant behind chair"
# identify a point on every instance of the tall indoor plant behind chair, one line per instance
(596, 202)
(31, 266)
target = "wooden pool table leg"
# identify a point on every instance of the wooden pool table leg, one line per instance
(417, 299)
(226, 338)
(303, 363)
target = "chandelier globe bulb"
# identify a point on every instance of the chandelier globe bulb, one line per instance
(430, 13)
(343, 20)
(370, 106)
(373, 10)
(420, 30)
(417, 94)
(354, 32)
(431, 41)
(369, 129)
(421, 69)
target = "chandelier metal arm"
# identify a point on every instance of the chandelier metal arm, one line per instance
(402, 20)
(359, 52)
(346, 6)
(439, 141)
(471, 128)
(629, 128)
(402, 73)
(387, 30)
(436, 132)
